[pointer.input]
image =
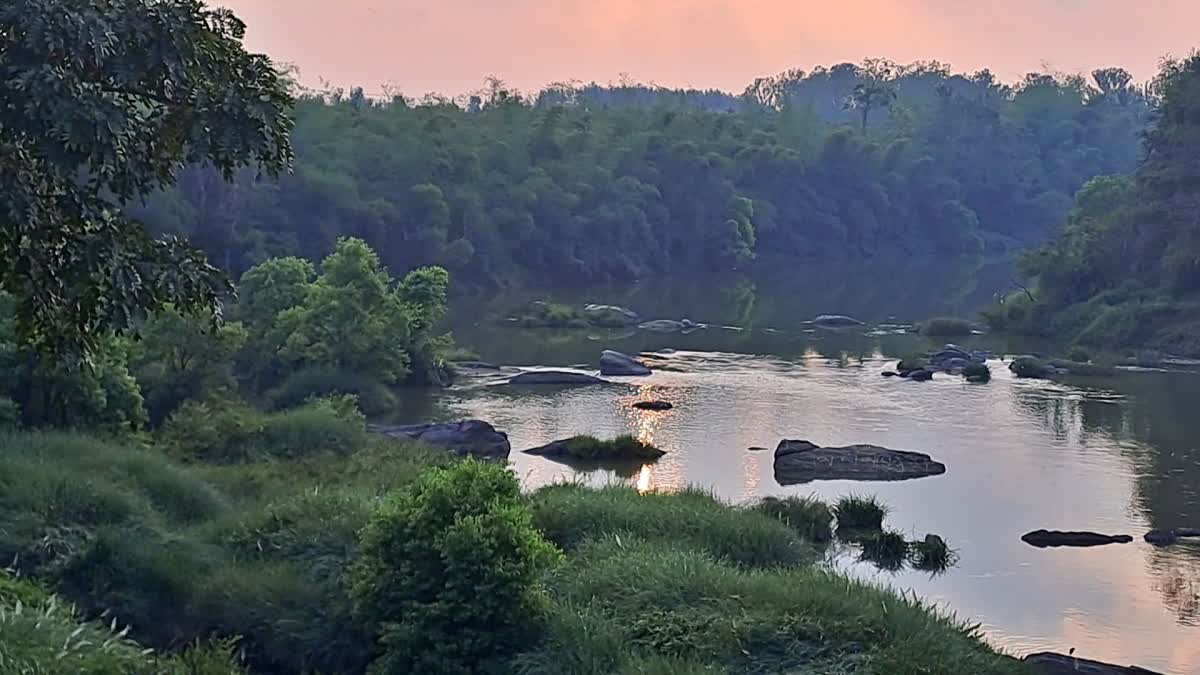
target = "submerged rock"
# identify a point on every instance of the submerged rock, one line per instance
(1049, 663)
(1167, 537)
(610, 315)
(616, 363)
(1054, 538)
(554, 377)
(836, 320)
(467, 437)
(802, 461)
(653, 405)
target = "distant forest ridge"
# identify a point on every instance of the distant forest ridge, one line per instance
(587, 184)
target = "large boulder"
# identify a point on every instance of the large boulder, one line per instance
(467, 437)
(836, 321)
(1055, 538)
(1049, 663)
(554, 377)
(616, 363)
(610, 315)
(802, 461)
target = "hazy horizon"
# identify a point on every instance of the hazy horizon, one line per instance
(452, 45)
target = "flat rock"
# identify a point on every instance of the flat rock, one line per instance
(890, 373)
(836, 320)
(467, 437)
(554, 377)
(919, 375)
(560, 450)
(662, 326)
(611, 315)
(616, 363)
(1049, 663)
(802, 461)
(653, 405)
(1167, 537)
(1054, 538)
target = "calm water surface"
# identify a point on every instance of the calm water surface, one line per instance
(1115, 455)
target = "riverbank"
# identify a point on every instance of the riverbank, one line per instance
(261, 551)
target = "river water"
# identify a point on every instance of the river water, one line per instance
(1116, 455)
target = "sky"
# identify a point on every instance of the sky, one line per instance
(450, 46)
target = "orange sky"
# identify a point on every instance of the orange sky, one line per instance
(449, 46)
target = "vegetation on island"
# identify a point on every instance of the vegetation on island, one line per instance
(944, 326)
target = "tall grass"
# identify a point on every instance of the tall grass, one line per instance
(808, 516)
(945, 326)
(859, 513)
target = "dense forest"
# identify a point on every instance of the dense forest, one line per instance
(592, 184)
(1124, 269)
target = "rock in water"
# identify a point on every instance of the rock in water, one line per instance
(616, 363)
(1054, 538)
(889, 373)
(554, 377)
(920, 375)
(1049, 663)
(1166, 537)
(801, 461)
(653, 405)
(467, 437)
(836, 320)
(662, 326)
(611, 315)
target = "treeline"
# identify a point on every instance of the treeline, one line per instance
(1124, 268)
(297, 332)
(588, 184)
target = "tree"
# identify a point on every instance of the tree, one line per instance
(100, 104)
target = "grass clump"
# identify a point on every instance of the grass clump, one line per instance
(808, 516)
(931, 554)
(628, 605)
(691, 519)
(886, 549)
(625, 446)
(977, 372)
(944, 326)
(540, 314)
(859, 513)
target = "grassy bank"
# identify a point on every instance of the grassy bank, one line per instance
(263, 549)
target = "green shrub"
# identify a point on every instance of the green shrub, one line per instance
(448, 572)
(979, 372)
(222, 431)
(624, 446)
(808, 516)
(1079, 353)
(946, 327)
(693, 519)
(859, 513)
(374, 397)
(10, 414)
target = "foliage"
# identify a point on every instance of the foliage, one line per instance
(372, 395)
(946, 327)
(10, 414)
(861, 513)
(569, 515)
(553, 315)
(1079, 353)
(624, 446)
(1123, 269)
(886, 549)
(449, 569)
(590, 184)
(102, 103)
(809, 516)
(931, 554)
(226, 430)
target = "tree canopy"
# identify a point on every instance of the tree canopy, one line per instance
(100, 104)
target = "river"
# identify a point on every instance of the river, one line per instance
(1117, 455)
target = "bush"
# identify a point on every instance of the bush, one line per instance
(979, 372)
(887, 550)
(374, 397)
(808, 516)
(859, 513)
(946, 327)
(692, 519)
(224, 431)
(448, 572)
